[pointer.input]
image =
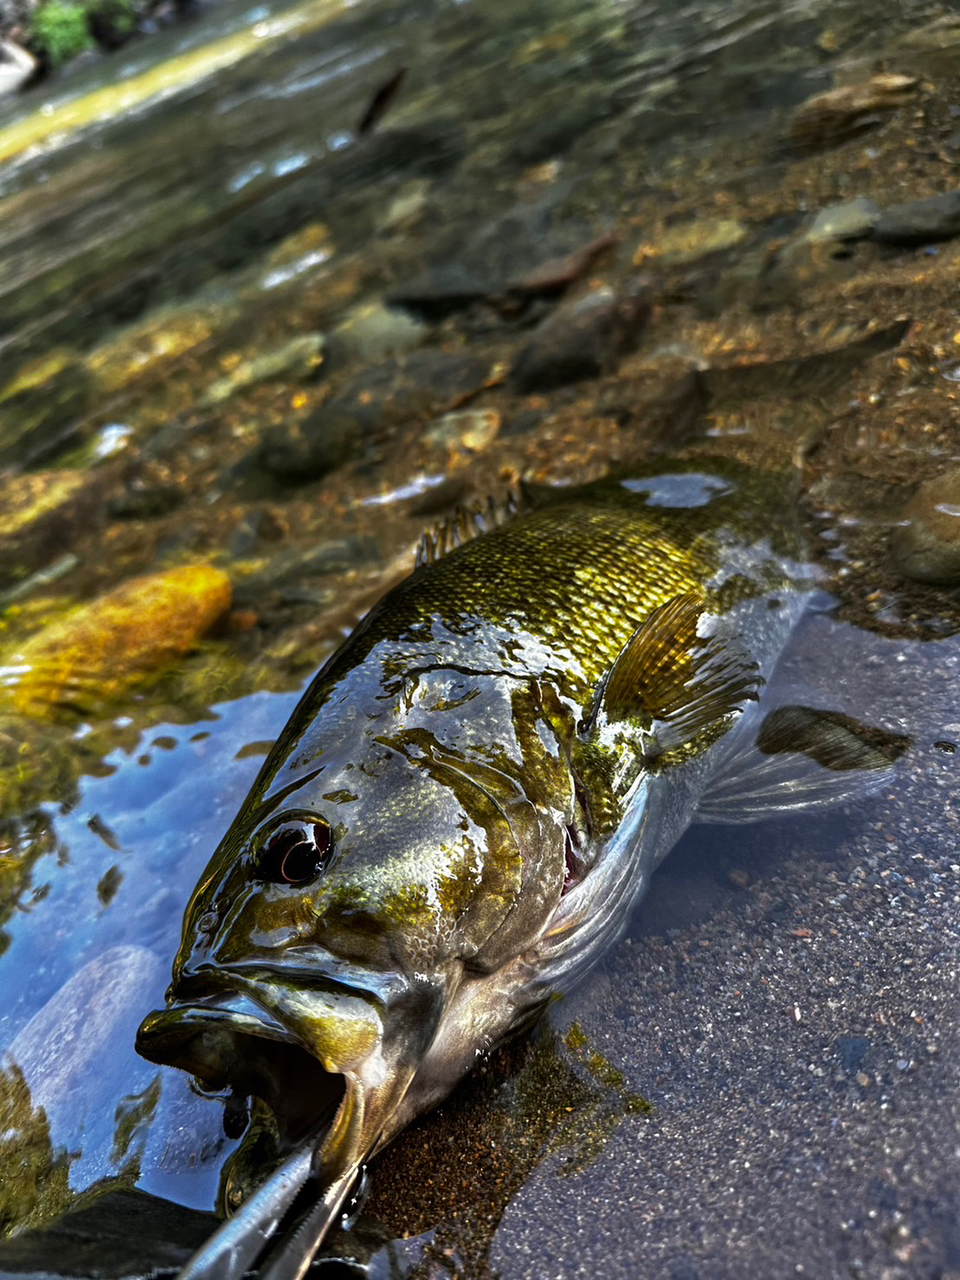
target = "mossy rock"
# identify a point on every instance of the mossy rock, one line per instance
(99, 651)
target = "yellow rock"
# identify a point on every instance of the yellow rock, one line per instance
(688, 241)
(100, 650)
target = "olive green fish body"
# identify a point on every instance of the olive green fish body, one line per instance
(474, 791)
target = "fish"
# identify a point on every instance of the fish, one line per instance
(469, 800)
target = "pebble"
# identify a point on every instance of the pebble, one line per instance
(920, 221)
(926, 545)
(373, 331)
(848, 221)
(472, 430)
(689, 241)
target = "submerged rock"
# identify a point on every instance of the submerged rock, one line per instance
(920, 221)
(371, 332)
(527, 250)
(848, 221)
(926, 545)
(832, 117)
(582, 339)
(96, 1007)
(101, 649)
(42, 407)
(35, 511)
(418, 384)
(689, 241)
(296, 358)
(467, 432)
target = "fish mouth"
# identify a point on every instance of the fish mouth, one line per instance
(332, 1061)
(309, 1052)
(229, 1043)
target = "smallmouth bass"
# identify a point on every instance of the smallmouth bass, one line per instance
(469, 799)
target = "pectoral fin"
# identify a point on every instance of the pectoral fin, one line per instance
(802, 758)
(675, 681)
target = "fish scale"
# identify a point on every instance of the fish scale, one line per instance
(468, 801)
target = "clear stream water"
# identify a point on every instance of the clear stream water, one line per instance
(184, 225)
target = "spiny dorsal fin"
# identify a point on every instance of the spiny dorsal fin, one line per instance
(464, 525)
(675, 680)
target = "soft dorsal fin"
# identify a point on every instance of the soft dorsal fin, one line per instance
(464, 525)
(674, 680)
(802, 758)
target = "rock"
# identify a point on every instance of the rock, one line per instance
(144, 501)
(36, 511)
(407, 206)
(97, 1007)
(926, 545)
(580, 340)
(848, 221)
(294, 568)
(832, 117)
(161, 338)
(307, 248)
(100, 650)
(121, 1235)
(941, 33)
(372, 332)
(16, 67)
(297, 358)
(320, 444)
(552, 132)
(689, 241)
(41, 409)
(556, 274)
(920, 221)
(418, 384)
(507, 254)
(471, 431)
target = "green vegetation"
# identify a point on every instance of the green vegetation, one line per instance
(61, 29)
(64, 28)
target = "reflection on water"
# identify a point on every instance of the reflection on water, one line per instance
(237, 331)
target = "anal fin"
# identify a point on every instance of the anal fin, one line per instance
(802, 759)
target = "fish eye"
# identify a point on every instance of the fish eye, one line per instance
(295, 851)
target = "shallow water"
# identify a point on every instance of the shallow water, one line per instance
(187, 226)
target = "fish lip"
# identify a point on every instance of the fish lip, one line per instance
(318, 972)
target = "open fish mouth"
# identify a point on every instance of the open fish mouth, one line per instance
(228, 1042)
(313, 1055)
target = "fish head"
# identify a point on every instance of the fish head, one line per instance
(360, 934)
